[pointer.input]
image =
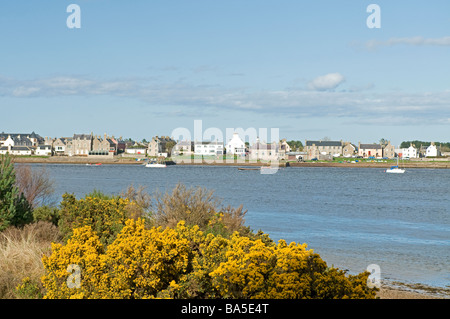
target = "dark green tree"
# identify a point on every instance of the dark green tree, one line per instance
(296, 145)
(14, 208)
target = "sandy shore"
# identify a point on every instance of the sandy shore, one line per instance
(392, 293)
(397, 290)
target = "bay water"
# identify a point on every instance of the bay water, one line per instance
(352, 217)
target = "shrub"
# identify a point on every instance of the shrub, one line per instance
(185, 262)
(194, 206)
(140, 202)
(29, 289)
(14, 207)
(106, 216)
(46, 213)
(197, 206)
(138, 264)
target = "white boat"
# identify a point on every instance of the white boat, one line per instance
(269, 169)
(154, 164)
(395, 169)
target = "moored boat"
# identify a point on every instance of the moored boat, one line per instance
(395, 169)
(155, 164)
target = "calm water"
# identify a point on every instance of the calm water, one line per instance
(352, 217)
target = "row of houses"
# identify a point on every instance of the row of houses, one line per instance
(78, 144)
(329, 149)
(20, 143)
(91, 145)
(412, 152)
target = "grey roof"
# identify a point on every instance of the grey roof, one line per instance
(4, 136)
(209, 143)
(264, 146)
(15, 148)
(82, 136)
(370, 146)
(324, 143)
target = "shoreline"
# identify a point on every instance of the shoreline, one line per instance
(128, 161)
(397, 290)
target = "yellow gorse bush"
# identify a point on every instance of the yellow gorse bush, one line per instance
(184, 262)
(107, 216)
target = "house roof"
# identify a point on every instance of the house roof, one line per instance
(324, 143)
(82, 136)
(209, 143)
(370, 146)
(350, 144)
(264, 146)
(185, 143)
(21, 138)
(15, 148)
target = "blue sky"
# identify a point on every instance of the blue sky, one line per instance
(313, 69)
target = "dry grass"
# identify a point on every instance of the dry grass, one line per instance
(21, 251)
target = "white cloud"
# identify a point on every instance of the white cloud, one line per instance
(416, 41)
(361, 105)
(326, 82)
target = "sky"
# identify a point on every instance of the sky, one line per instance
(311, 69)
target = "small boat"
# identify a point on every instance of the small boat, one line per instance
(395, 169)
(97, 164)
(269, 169)
(248, 168)
(155, 164)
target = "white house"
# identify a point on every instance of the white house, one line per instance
(16, 150)
(208, 148)
(264, 151)
(236, 146)
(410, 152)
(432, 150)
(183, 148)
(44, 150)
(137, 150)
(8, 142)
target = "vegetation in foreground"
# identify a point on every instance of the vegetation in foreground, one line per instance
(182, 244)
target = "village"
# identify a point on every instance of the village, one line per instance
(98, 147)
